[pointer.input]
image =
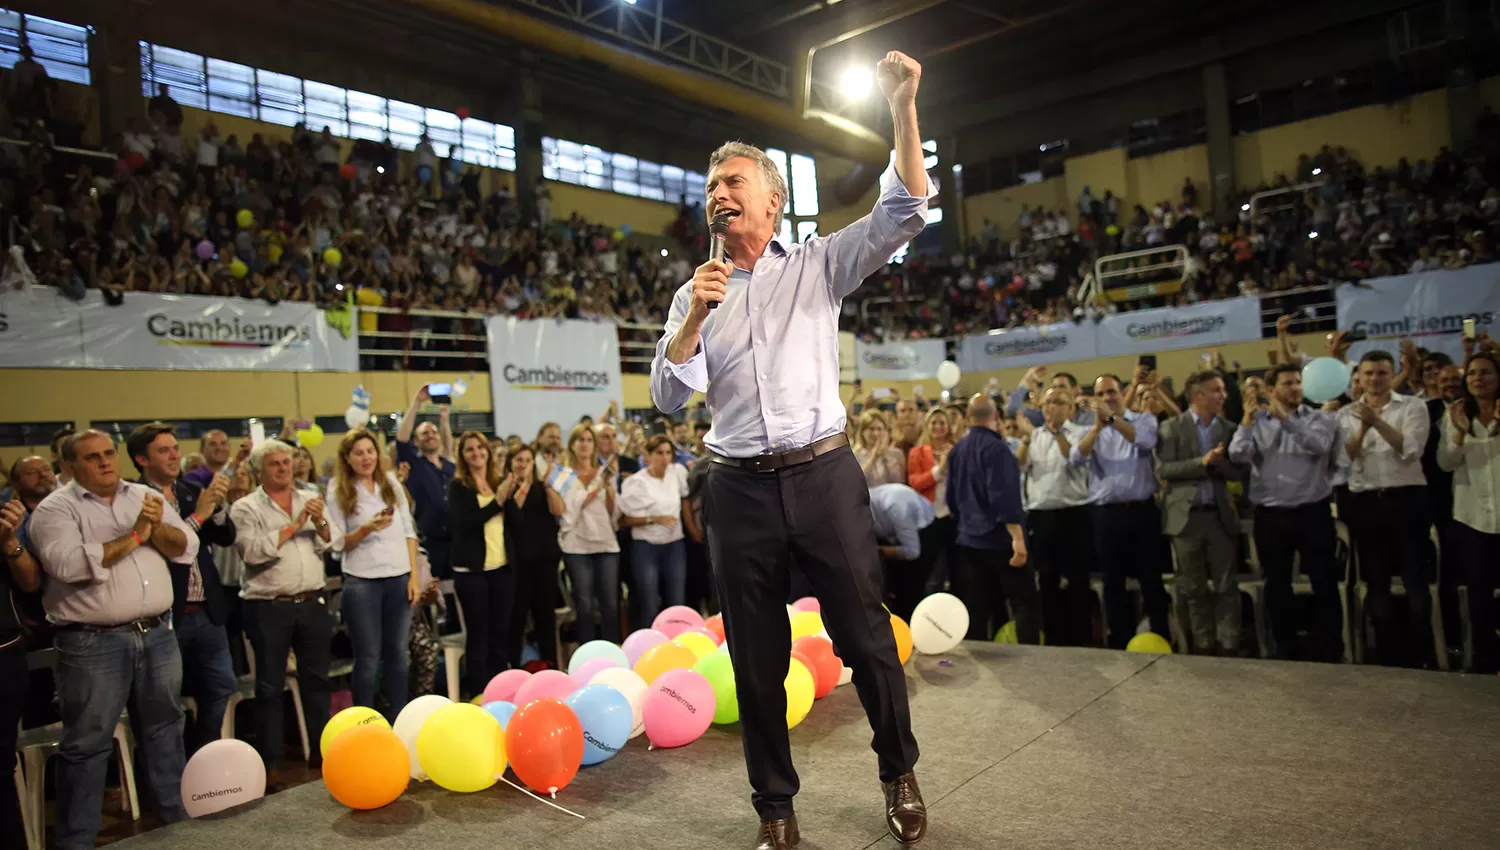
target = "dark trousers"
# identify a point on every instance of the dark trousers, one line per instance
(1479, 553)
(274, 629)
(906, 581)
(945, 531)
(207, 673)
(700, 579)
(1390, 529)
(660, 577)
(819, 513)
(234, 629)
(1061, 543)
(1280, 535)
(1128, 544)
(489, 600)
(13, 695)
(536, 594)
(986, 574)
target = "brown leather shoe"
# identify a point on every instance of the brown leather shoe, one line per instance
(780, 834)
(905, 813)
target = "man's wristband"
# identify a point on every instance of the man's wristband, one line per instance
(137, 538)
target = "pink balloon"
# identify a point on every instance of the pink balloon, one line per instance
(587, 669)
(676, 620)
(639, 641)
(554, 684)
(706, 632)
(679, 708)
(808, 603)
(503, 687)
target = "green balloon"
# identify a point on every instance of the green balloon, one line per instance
(719, 671)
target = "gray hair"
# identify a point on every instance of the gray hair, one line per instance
(775, 180)
(269, 447)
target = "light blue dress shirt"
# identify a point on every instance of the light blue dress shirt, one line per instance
(1205, 493)
(1119, 470)
(1290, 459)
(769, 359)
(1015, 403)
(899, 514)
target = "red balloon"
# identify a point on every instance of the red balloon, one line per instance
(347, 171)
(136, 160)
(825, 666)
(544, 742)
(462, 112)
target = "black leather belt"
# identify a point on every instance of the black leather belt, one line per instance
(795, 457)
(145, 624)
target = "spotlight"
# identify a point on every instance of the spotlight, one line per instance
(664, 252)
(1312, 234)
(855, 82)
(1317, 171)
(379, 169)
(339, 287)
(1245, 207)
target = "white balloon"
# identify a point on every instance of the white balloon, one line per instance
(938, 624)
(632, 686)
(948, 374)
(409, 723)
(846, 675)
(355, 417)
(222, 774)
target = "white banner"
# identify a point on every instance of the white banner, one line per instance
(547, 370)
(1004, 349)
(1202, 325)
(152, 331)
(911, 360)
(1429, 308)
(39, 328)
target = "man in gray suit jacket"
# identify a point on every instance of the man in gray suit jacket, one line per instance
(1198, 513)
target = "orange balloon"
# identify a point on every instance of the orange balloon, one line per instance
(715, 624)
(661, 658)
(366, 767)
(825, 666)
(544, 740)
(903, 638)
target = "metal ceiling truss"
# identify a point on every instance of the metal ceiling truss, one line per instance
(645, 25)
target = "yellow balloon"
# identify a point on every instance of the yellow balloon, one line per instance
(698, 645)
(661, 658)
(1149, 642)
(358, 715)
(799, 693)
(310, 438)
(461, 747)
(806, 623)
(903, 638)
(244, 218)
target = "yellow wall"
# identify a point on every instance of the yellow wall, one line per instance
(1003, 206)
(1159, 177)
(1099, 171)
(653, 217)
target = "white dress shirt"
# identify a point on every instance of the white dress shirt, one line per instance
(297, 565)
(1052, 480)
(645, 495)
(1380, 466)
(383, 554)
(1476, 475)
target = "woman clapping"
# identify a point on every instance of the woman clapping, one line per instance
(483, 574)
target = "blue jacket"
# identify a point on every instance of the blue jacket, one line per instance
(984, 489)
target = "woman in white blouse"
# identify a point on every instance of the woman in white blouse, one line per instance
(651, 504)
(1470, 449)
(380, 577)
(587, 538)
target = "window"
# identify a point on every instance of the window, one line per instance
(804, 185)
(233, 89)
(779, 157)
(806, 230)
(586, 165)
(62, 49)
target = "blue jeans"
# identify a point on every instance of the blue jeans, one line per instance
(207, 673)
(660, 575)
(96, 672)
(379, 618)
(596, 590)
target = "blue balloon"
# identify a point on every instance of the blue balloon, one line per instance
(597, 649)
(1324, 379)
(529, 654)
(501, 711)
(607, 720)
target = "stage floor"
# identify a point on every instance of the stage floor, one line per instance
(1021, 747)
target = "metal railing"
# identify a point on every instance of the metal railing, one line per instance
(1313, 307)
(1105, 270)
(1257, 202)
(448, 349)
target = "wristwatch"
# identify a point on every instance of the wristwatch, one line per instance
(1110, 420)
(320, 524)
(16, 552)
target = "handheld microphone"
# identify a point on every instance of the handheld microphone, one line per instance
(718, 229)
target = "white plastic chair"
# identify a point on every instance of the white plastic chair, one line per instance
(453, 645)
(29, 826)
(35, 746)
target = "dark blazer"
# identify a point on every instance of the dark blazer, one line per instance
(211, 532)
(466, 521)
(1179, 462)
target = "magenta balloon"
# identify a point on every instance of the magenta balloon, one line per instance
(205, 250)
(503, 687)
(808, 603)
(639, 641)
(554, 684)
(587, 669)
(676, 620)
(679, 708)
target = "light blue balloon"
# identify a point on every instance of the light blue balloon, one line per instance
(607, 720)
(597, 649)
(501, 711)
(1324, 379)
(529, 654)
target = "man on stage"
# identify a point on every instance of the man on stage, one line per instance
(784, 482)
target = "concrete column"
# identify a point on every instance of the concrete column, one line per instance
(115, 66)
(1463, 94)
(950, 198)
(524, 112)
(1220, 136)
